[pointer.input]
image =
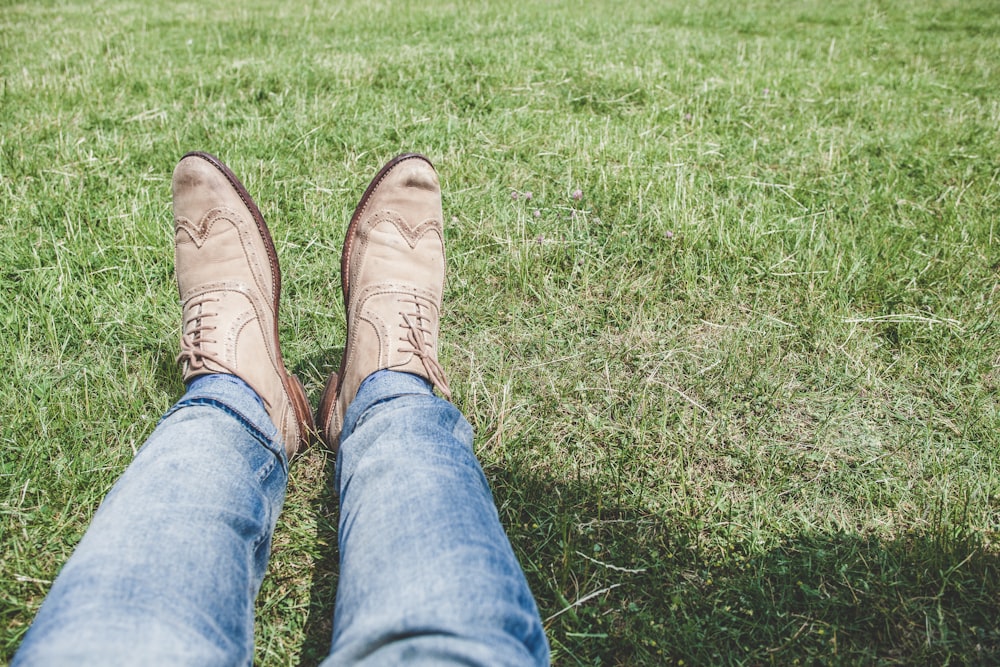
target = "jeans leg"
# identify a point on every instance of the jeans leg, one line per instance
(427, 574)
(170, 566)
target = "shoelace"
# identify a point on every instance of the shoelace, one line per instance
(193, 337)
(416, 338)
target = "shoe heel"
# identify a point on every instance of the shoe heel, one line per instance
(327, 406)
(303, 413)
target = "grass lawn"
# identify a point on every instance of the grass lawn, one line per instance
(738, 400)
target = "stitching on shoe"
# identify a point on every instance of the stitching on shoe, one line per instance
(259, 309)
(412, 234)
(201, 230)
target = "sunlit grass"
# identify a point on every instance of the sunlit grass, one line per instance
(737, 400)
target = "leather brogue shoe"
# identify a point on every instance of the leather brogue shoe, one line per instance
(230, 283)
(392, 275)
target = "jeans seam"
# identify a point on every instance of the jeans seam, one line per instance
(266, 472)
(262, 472)
(242, 419)
(363, 417)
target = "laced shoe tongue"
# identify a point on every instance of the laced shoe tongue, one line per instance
(416, 338)
(193, 340)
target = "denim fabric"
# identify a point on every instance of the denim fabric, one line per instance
(427, 575)
(170, 566)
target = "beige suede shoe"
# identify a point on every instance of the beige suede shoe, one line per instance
(392, 275)
(229, 283)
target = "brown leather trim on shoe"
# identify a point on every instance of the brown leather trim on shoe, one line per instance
(328, 403)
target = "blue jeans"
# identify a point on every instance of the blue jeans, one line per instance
(170, 566)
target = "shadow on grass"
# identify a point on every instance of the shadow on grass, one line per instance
(314, 371)
(323, 591)
(168, 377)
(619, 586)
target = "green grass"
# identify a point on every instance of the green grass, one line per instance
(738, 404)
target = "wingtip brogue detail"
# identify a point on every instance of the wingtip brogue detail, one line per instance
(411, 234)
(230, 284)
(392, 277)
(200, 230)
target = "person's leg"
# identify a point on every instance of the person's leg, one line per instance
(170, 566)
(427, 574)
(168, 571)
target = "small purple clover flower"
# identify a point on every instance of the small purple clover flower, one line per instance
(578, 194)
(514, 195)
(669, 234)
(537, 213)
(688, 117)
(527, 195)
